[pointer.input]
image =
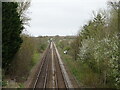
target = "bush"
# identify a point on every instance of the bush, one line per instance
(99, 48)
(21, 64)
(102, 58)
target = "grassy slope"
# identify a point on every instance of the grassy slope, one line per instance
(83, 74)
(35, 58)
(7, 83)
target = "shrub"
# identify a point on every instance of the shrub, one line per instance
(21, 64)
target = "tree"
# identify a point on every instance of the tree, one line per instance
(14, 19)
(11, 29)
(22, 11)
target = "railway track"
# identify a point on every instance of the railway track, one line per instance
(52, 73)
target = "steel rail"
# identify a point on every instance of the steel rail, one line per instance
(42, 64)
(52, 49)
(64, 73)
(64, 80)
(55, 76)
(46, 75)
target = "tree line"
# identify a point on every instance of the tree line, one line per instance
(97, 45)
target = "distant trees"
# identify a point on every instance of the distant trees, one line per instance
(13, 21)
(97, 46)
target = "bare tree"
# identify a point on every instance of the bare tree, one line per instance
(116, 6)
(23, 12)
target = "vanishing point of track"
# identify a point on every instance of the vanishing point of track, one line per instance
(52, 73)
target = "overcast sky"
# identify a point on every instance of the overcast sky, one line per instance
(61, 17)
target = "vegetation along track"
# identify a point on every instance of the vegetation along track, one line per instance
(52, 73)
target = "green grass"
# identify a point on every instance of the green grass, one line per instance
(4, 83)
(36, 58)
(21, 85)
(82, 73)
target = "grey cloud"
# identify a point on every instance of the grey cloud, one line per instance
(62, 18)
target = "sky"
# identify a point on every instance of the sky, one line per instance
(61, 17)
